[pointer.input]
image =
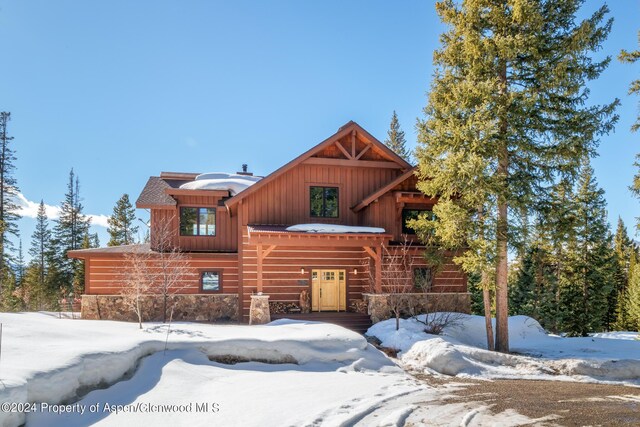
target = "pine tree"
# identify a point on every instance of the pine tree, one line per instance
(631, 57)
(41, 241)
(69, 233)
(8, 191)
(623, 248)
(396, 140)
(623, 320)
(122, 228)
(633, 299)
(590, 261)
(506, 115)
(20, 265)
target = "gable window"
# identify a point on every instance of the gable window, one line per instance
(410, 214)
(324, 202)
(210, 281)
(197, 221)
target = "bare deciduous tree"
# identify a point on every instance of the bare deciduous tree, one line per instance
(397, 279)
(138, 283)
(160, 271)
(169, 263)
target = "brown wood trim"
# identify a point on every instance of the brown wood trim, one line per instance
(346, 154)
(87, 274)
(352, 163)
(144, 206)
(373, 196)
(240, 229)
(179, 175)
(211, 270)
(187, 192)
(364, 150)
(110, 255)
(337, 240)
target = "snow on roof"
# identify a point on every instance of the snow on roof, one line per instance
(221, 181)
(334, 228)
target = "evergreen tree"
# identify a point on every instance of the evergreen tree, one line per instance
(396, 140)
(623, 250)
(69, 233)
(41, 241)
(632, 57)
(20, 265)
(590, 261)
(122, 228)
(8, 191)
(10, 300)
(624, 322)
(633, 300)
(506, 115)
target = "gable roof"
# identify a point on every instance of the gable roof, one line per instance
(343, 131)
(382, 190)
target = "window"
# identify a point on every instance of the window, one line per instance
(422, 279)
(197, 221)
(324, 202)
(409, 214)
(210, 281)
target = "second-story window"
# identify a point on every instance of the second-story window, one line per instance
(197, 221)
(324, 202)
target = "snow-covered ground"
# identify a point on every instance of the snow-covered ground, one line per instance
(83, 372)
(461, 351)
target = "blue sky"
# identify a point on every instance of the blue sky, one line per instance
(122, 90)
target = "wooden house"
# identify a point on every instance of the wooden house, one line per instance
(240, 243)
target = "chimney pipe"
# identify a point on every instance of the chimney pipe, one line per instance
(244, 171)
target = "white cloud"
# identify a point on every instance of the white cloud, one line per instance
(30, 209)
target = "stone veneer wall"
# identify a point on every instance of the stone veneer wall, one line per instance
(418, 303)
(189, 307)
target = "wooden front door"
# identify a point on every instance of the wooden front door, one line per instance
(328, 290)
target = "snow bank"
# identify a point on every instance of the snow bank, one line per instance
(620, 335)
(461, 350)
(221, 181)
(45, 359)
(333, 228)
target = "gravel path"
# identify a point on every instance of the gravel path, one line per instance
(572, 403)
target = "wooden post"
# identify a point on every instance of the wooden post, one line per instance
(378, 262)
(259, 252)
(353, 144)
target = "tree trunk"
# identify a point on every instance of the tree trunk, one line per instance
(486, 297)
(502, 300)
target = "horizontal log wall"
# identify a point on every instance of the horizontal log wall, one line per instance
(105, 275)
(282, 277)
(283, 280)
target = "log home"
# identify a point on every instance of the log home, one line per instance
(321, 224)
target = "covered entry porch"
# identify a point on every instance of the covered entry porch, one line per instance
(333, 269)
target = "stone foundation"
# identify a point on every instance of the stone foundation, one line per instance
(188, 307)
(418, 303)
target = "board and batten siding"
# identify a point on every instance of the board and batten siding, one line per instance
(226, 238)
(285, 200)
